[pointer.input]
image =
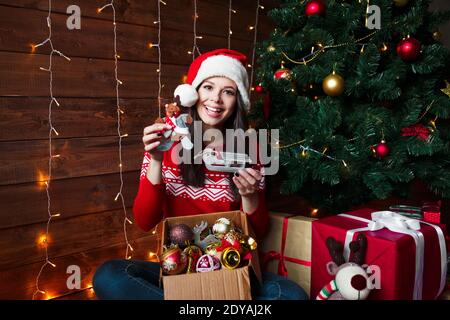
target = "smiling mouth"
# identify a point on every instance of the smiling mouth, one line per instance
(213, 112)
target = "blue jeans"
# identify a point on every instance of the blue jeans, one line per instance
(139, 280)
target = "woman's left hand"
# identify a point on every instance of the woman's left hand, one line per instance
(247, 181)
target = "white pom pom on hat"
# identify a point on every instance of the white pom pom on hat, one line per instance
(217, 63)
(187, 93)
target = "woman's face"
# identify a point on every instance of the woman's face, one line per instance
(217, 100)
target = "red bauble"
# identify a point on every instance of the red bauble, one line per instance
(259, 88)
(315, 7)
(282, 73)
(382, 149)
(409, 49)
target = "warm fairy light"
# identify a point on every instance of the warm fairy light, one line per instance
(384, 47)
(433, 123)
(314, 211)
(99, 10)
(56, 132)
(151, 254)
(157, 70)
(154, 232)
(194, 45)
(163, 2)
(118, 81)
(261, 7)
(150, 45)
(255, 33)
(129, 221)
(362, 49)
(304, 153)
(251, 28)
(325, 150)
(344, 163)
(249, 65)
(252, 89)
(43, 240)
(33, 48)
(155, 22)
(184, 78)
(199, 37)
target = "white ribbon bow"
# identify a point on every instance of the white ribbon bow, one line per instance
(392, 221)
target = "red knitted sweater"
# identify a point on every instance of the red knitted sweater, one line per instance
(173, 197)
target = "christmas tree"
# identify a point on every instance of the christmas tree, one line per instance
(359, 92)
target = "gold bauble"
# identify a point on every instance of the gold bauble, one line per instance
(401, 3)
(436, 35)
(333, 85)
(271, 48)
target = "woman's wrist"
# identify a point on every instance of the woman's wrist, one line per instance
(154, 171)
(250, 202)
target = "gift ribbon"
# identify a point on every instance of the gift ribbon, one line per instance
(271, 255)
(401, 224)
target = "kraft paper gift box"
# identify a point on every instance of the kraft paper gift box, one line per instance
(286, 250)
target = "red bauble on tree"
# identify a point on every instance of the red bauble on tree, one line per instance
(315, 7)
(259, 88)
(409, 49)
(382, 149)
(282, 73)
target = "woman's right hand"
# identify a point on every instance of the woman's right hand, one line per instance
(152, 139)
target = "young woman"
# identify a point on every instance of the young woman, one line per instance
(170, 189)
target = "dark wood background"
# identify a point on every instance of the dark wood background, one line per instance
(85, 178)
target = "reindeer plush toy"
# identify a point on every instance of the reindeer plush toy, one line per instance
(351, 279)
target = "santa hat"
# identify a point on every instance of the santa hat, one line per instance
(217, 63)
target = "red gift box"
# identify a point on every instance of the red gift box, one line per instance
(394, 253)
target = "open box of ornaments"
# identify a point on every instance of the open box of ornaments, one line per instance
(208, 256)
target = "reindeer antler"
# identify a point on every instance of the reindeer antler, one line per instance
(358, 248)
(336, 250)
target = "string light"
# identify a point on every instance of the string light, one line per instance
(367, 14)
(258, 6)
(314, 54)
(43, 240)
(229, 23)
(194, 46)
(159, 58)
(305, 149)
(121, 136)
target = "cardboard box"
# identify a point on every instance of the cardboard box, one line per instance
(221, 284)
(297, 250)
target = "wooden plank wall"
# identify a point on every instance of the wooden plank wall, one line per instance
(85, 177)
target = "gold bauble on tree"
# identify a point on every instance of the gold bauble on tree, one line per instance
(436, 35)
(401, 3)
(333, 84)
